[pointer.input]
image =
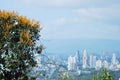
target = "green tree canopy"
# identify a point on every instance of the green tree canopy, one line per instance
(18, 36)
(103, 75)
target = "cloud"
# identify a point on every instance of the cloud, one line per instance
(60, 3)
(52, 27)
(52, 3)
(97, 12)
(68, 3)
(83, 31)
(91, 12)
(95, 15)
(54, 24)
(93, 23)
(59, 22)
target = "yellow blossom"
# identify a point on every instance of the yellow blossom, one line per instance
(7, 26)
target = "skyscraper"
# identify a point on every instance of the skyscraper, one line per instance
(77, 57)
(105, 64)
(98, 64)
(74, 62)
(70, 63)
(92, 61)
(85, 59)
(113, 61)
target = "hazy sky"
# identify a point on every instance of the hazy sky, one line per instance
(66, 22)
(75, 19)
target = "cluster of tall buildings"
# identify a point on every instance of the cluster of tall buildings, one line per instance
(91, 61)
(74, 62)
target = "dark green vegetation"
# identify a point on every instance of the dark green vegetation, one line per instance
(102, 75)
(18, 37)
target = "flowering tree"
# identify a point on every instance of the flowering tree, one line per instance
(18, 36)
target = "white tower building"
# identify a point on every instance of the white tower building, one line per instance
(113, 61)
(92, 61)
(105, 64)
(69, 62)
(77, 55)
(72, 63)
(77, 58)
(85, 59)
(98, 64)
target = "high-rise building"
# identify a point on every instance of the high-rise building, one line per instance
(98, 64)
(74, 62)
(85, 59)
(105, 64)
(113, 61)
(69, 62)
(77, 55)
(92, 61)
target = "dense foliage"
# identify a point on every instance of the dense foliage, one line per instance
(103, 75)
(18, 36)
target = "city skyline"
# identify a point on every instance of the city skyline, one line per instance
(93, 61)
